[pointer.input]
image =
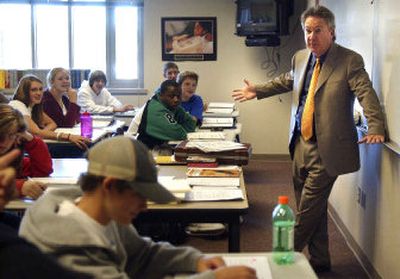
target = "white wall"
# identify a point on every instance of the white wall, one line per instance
(265, 123)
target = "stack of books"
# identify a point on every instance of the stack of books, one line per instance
(214, 184)
(220, 176)
(224, 152)
(220, 115)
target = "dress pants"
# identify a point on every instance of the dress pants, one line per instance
(312, 186)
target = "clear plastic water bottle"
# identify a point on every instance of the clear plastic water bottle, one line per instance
(283, 232)
(86, 125)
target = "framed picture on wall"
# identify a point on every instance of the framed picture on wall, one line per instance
(189, 38)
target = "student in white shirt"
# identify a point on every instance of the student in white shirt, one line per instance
(94, 97)
(28, 100)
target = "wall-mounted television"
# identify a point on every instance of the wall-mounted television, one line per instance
(257, 19)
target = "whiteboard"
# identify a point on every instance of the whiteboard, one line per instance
(372, 28)
(386, 64)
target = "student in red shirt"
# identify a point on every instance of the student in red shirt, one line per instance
(37, 163)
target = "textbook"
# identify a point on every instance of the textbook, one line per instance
(212, 194)
(206, 136)
(226, 171)
(214, 181)
(220, 176)
(236, 155)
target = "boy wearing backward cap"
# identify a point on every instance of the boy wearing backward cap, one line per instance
(90, 231)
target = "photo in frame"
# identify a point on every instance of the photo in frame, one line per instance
(189, 38)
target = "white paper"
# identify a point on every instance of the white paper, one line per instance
(259, 263)
(174, 185)
(225, 111)
(218, 120)
(206, 136)
(221, 105)
(214, 181)
(214, 195)
(214, 145)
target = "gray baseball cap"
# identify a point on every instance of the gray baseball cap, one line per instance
(125, 158)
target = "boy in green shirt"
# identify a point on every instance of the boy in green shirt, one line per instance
(163, 118)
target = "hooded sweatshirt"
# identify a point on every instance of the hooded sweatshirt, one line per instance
(93, 103)
(73, 244)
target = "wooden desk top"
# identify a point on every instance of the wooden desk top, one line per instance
(73, 167)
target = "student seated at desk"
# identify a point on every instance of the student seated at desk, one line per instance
(170, 72)
(60, 100)
(37, 163)
(18, 258)
(93, 97)
(163, 118)
(28, 100)
(191, 102)
(90, 230)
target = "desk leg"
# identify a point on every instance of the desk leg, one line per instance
(234, 235)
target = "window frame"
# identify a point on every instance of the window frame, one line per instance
(110, 36)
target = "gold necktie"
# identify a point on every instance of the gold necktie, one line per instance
(308, 112)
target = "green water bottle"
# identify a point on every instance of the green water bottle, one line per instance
(283, 232)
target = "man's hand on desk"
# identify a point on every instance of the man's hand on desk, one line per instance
(372, 139)
(222, 271)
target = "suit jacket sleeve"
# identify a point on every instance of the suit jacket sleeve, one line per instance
(281, 84)
(361, 85)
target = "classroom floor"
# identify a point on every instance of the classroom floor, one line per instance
(265, 181)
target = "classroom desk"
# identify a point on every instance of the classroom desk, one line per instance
(228, 212)
(66, 149)
(301, 268)
(126, 116)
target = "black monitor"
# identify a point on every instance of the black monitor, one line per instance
(263, 17)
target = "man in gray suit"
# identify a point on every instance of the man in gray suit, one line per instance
(331, 149)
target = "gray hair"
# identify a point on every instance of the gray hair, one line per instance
(321, 12)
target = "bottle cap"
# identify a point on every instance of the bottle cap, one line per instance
(86, 113)
(283, 199)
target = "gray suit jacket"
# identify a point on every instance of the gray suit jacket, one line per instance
(342, 78)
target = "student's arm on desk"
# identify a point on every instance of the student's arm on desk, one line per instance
(46, 133)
